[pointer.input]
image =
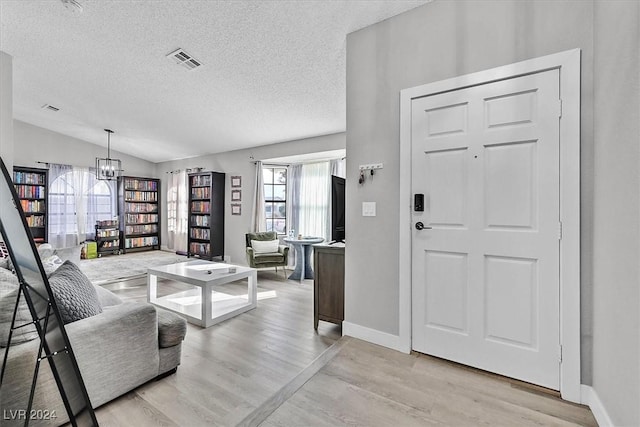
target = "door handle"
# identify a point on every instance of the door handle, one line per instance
(420, 226)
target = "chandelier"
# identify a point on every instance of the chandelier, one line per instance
(108, 169)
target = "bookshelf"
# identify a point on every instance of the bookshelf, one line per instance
(139, 200)
(32, 187)
(206, 215)
(108, 237)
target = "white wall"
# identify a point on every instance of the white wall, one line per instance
(240, 163)
(445, 39)
(6, 109)
(33, 144)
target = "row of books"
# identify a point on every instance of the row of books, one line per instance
(107, 233)
(200, 192)
(35, 221)
(110, 244)
(200, 233)
(141, 185)
(141, 207)
(141, 229)
(139, 242)
(141, 196)
(200, 248)
(32, 206)
(200, 180)
(28, 178)
(107, 223)
(202, 207)
(141, 218)
(30, 192)
(200, 220)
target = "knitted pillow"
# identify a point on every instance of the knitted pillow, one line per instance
(75, 296)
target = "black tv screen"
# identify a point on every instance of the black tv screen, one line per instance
(337, 209)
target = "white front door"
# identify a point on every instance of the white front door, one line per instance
(485, 276)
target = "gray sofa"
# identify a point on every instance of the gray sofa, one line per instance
(117, 350)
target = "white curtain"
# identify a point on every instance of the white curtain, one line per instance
(62, 209)
(81, 186)
(77, 199)
(178, 211)
(315, 193)
(258, 222)
(294, 176)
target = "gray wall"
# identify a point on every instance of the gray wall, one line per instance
(6, 109)
(33, 144)
(616, 235)
(240, 162)
(445, 39)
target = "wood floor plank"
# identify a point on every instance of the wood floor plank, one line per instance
(249, 370)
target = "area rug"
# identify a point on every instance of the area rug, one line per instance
(113, 268)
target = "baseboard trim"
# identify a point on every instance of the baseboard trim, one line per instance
(590, 397)
(374, 336)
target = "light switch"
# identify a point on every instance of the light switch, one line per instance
(368, 208)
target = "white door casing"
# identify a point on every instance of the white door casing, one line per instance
(568, 65)
(485, 275)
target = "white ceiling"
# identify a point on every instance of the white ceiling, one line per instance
(273, 70)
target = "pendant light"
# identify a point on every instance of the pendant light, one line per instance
(108, 169)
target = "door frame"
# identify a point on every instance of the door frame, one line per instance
(568, 64)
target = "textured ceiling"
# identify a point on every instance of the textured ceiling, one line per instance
(273, 70)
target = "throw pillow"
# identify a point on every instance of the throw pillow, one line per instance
(75, 296)
(51, 264)
(9, 289)
(4, 252)
(4, 256)
(265, 246)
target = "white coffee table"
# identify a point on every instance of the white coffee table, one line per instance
(202, 305)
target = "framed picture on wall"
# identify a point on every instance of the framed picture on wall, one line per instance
(236, 195)
(236, 209)
(236, 181)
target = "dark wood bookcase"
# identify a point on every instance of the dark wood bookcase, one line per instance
(32, 186)
(138, 207)
(206, 215)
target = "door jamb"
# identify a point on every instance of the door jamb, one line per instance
(568, 64)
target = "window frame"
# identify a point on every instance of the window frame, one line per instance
(272, 201)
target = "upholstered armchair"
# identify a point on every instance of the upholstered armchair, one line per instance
(267, 252)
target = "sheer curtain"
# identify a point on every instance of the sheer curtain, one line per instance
(294, 175)
(315, 193)
(77, 199)
(62, 209)
(178, 211)
(258, 222)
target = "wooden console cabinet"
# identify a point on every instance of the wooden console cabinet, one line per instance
(328, 284)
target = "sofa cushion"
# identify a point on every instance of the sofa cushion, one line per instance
(171, 328)
(266, 246)
(9, 289)
(268, 258)
(75, 295)
(106, 297)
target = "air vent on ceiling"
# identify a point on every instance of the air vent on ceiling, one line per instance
(183, 58)
(50, 107)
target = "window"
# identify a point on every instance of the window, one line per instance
(96, 199)
(275, 198)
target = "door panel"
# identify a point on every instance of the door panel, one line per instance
(485, 287)
(511, 185)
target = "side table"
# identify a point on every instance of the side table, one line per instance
(302, 247)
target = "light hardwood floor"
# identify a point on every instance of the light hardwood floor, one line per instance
(269, 367)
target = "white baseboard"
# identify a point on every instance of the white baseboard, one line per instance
(373, 336)
(590, 398)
